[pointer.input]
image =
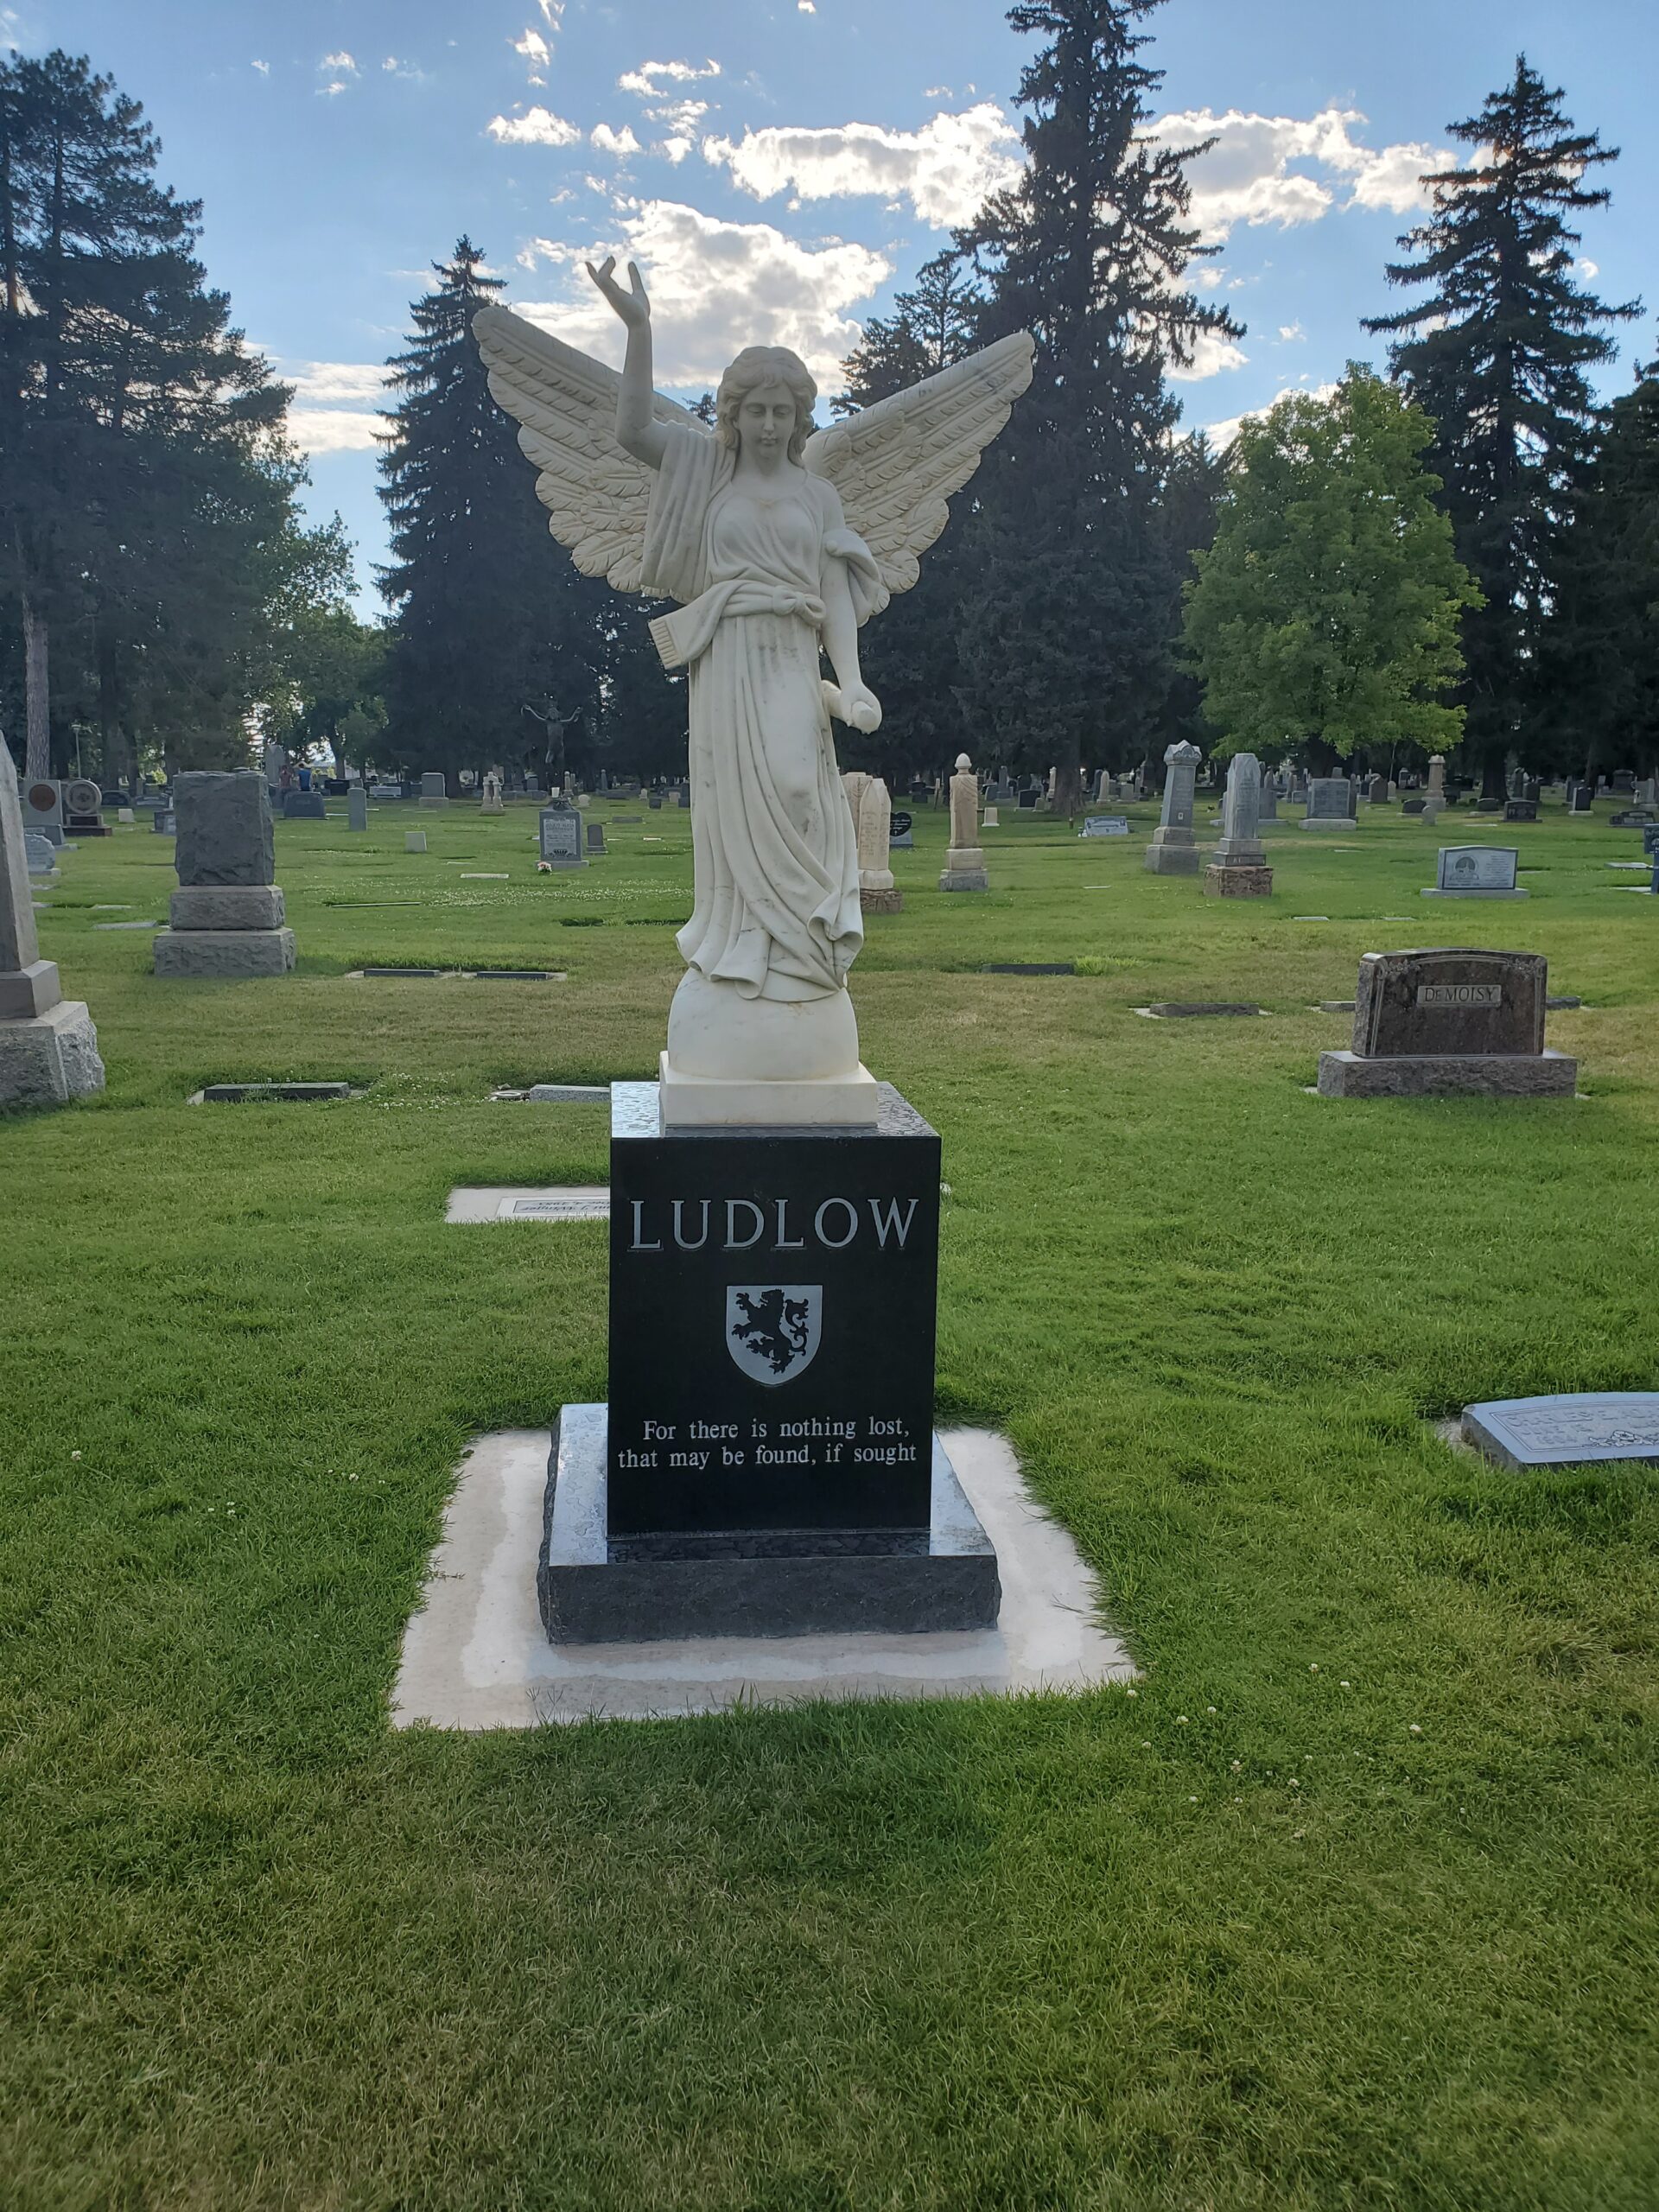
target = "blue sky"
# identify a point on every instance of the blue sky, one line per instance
(780, 167)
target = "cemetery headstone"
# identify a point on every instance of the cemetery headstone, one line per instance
(1377, 790)
(559, 831)
(42, 804)
(434, 790)
(304, 807)
(1477, 871)
(964, 860)
(1437, 775)
(1329, 804)
(1584, 1427)
(1414, 806)
(595, 836)
(991, 819)
(1441, 1023)
(48, 1047)
(654, 801)
(1174, 849)
(357, 808)
(414, 840)
(1582, 799)
(226, 918)
(164, 822)
(873, 825)
(39, 853)
(1268, 805)
(1105, 825)
(1520, 810)
(1238, 868)
(492, 801)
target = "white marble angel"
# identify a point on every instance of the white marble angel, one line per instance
(778, 542)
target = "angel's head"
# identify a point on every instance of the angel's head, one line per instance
(756, 395)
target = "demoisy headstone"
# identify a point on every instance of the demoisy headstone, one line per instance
(1174, 849)
(227, 918)
(1238, 868)
(1449, 1021)
(964, 859)
(48, 1047)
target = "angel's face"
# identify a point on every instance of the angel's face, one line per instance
(765, 424)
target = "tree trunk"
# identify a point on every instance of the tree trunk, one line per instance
(1068, 778)
(1492, 782)
(37, 757)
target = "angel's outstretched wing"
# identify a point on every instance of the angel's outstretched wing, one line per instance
(595, 494)
(896, 465)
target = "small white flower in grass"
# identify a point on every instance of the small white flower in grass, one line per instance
(1296, 1834)
(1208, 1708)
(1191, 1801)
(1238, 1801)
(74, 1455)
(1145, 1745)
(1345, 1686)
(1314, 1668)
(1414, 1729)
(1181, 1720)
(1295, 1783)
(1131, 1691)
(1238, 1766)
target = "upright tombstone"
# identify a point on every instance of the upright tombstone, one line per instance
(414, 840)
(559, 829)
(1238, 868)
(42, 797)
(1582, 799)
(1174, 849)
(227, 917)
(1329, 804)
(1477, 871)
(1267, 804)
(1376, 792)
(48, 1047)
(877, 893)
(492, 801)
(1444, 1023)
(964, 861)
(595, 837)
(434, 790)
(41, 855)
(1437, 776)
(357, 808)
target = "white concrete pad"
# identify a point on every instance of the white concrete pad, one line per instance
(529, 1202)
(476, 1655)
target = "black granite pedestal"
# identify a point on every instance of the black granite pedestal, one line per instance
(766, 1463)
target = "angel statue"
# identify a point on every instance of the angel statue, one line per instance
(778, 542)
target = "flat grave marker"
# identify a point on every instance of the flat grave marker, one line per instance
(1570, 1430)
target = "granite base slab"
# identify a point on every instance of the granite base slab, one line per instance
(476, 1655)
(1331, 821)
(1433, 892)
(597, 1589)
(1236, 882)
(51, 1057)
(224, 954)
(1173, 860)
(227, 906)
(1449, 1075)
(881, 902)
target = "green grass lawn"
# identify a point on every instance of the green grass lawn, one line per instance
(1241, 1938)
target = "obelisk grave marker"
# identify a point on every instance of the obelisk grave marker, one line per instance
(48, 1047)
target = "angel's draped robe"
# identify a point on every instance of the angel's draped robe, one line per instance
(776, 911)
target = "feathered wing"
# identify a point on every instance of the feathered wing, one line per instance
(565, 403)
(897, 464)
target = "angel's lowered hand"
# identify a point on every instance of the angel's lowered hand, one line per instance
(631, 306)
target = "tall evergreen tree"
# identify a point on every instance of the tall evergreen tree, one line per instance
(1600, 659)
(141, 440)
(490, 614)
(1068, 644)
(1497, 355)
(912, 656)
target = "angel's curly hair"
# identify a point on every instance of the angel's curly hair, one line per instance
(760, 364)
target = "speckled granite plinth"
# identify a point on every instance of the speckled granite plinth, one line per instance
(50, 1059)
(225, 953)
(881, 902)
(1238, 882)
(1447, 1075)
(597, 1589)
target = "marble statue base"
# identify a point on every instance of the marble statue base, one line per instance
(51, 1057)
(735, 1062)
(776, 1103)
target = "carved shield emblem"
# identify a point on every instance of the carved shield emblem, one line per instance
(773, 1329)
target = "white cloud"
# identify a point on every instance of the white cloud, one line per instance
(676, 148)
(264, 67)
(1212, 353)
(328, 92)
(538, 126)
(946, 169)
(1246, 177)
(339, 61)
(643, 80)
(317, 382)
(1291, 333)
(716, 287)
(1224, 433)
(1587, 268)
(806, 7)
(334, 430)
(552, 13)
(532, 46)
(613, 141)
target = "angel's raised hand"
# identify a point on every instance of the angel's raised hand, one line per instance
(631, 306)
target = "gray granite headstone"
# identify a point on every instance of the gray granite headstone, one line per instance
(225, 834)
(1241, 846)
(1477, 872)
(1330, 802)
(39, 852)
(561, 837)
(357, 808)
(1174, 849)
(1567, 1431)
